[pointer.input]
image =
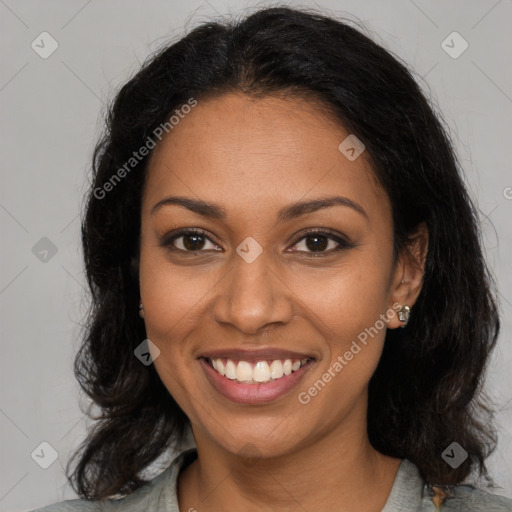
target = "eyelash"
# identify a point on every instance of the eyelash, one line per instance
(169, 239)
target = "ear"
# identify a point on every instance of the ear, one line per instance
(407, 279)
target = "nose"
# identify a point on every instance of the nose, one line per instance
(252, 296)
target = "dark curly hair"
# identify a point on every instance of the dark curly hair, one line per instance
(426, 391)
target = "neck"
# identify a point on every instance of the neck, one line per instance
(338, 471)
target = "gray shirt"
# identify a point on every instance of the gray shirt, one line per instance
(408, 494)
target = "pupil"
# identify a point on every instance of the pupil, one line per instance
(318, 245)
(193, 245)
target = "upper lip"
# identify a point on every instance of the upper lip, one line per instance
(261, 354)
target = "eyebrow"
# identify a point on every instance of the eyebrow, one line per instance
(292, 211)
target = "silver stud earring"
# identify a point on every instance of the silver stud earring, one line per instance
(404, 314)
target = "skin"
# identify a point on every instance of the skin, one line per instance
(254, 157)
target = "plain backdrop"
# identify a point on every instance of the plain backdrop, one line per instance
(51, 112)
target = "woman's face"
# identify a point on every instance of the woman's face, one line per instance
(253, 289)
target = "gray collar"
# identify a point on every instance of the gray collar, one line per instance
(408, 489)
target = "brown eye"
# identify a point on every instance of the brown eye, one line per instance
(189, 241)
(193, 242)
(317, 243)
(321, 242)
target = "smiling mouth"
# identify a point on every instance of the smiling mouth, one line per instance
(256, 372)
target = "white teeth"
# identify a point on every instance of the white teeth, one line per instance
(220, 367)
(257, 372)
(261, 372)
(243, 372)
(230, 370)
(276, 370)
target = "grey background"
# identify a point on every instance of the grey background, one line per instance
(51, 116)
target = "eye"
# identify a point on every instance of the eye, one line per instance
(318, 241)
(192, 240)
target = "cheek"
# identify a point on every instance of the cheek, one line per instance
(171, 309)
(349, 309)
(171, 298)
(348, 299)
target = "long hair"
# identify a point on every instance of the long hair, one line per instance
(426, 390)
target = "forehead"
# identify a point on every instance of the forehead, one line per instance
(261, 151)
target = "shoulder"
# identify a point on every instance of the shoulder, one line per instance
(410, 493)
(158, 495)
(471, 499)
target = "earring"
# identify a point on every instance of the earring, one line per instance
(141, 310)
(404, 314)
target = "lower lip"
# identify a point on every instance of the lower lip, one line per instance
(253, 393)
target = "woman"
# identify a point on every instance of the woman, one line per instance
(283, 257)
